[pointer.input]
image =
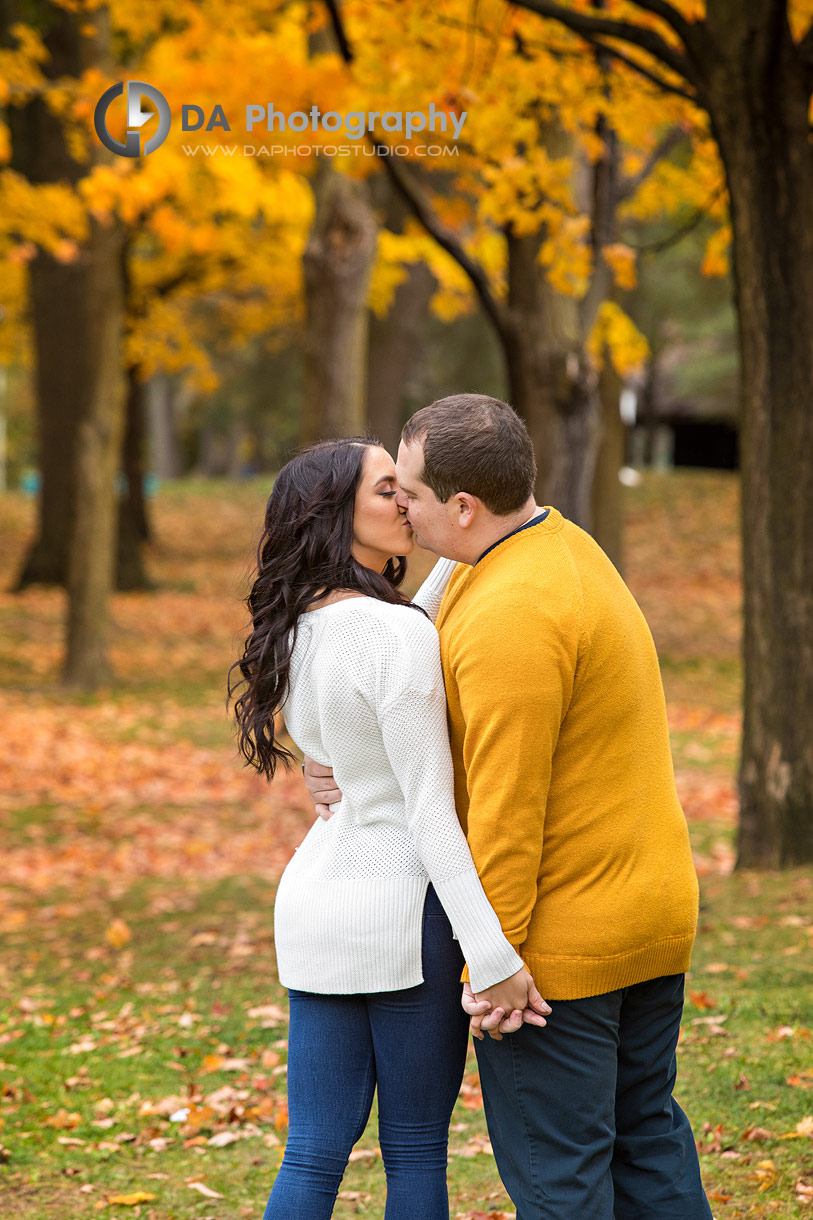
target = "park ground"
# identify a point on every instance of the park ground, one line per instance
(142, 1027)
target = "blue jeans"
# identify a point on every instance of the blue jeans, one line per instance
(581, 1114)
(411, 1044)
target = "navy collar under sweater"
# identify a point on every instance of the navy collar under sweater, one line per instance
(533, 521)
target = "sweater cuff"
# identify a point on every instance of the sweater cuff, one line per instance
(465, 977)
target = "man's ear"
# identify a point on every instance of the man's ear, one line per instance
(466, 506)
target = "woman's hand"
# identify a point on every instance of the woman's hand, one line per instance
(503, 1008)
(321, 786)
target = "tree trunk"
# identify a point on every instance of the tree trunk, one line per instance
(98, 335)
(393, 347)
(337, 264)
(607, 503)
(57, 293)
(394, 340)
(551, 385)
(759, 97)
(77, 315)
(39, 152)
(133, 526)
(164, 444)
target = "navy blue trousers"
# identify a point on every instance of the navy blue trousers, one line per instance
(581, 1115)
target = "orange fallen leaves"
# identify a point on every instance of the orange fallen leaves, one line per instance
(118, 934)
(132, 1200)
(801, 1080)
(764, 1175)
(62, 1120)
(702, 1000)
(470, 1092)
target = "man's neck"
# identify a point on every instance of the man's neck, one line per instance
(500, 527)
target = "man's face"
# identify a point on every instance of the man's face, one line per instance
(432, 522)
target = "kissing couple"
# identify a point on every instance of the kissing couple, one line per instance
(490, 763)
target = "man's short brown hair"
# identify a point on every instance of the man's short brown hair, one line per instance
(478, 444)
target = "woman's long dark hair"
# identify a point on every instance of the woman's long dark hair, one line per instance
(304, 553)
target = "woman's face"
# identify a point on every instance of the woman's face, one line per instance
(379, 526)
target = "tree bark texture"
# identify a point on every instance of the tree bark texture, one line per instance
(338, 261)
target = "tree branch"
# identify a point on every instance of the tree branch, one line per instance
(685, 30)
(420, 204)
(626, 31)
(669, 141)
(677, 235)
(646, 73)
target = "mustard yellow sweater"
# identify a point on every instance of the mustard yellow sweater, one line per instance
(563, 773)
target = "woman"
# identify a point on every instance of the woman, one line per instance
(371, 908)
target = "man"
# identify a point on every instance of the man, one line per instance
(565, 788)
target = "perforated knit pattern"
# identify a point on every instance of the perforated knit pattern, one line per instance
(367, 698)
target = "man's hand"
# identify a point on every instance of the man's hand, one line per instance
(513, 1001)
(321, 785)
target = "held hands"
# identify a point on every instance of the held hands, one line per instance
(321, 785)
(503, 1008)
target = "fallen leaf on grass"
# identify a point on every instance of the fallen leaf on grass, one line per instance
(700, 999)
(118, 934)
(715, 1138)
(476, 1145)
(205, 1190)
(803, 1130)
(801, 1080)
(757, 1134)
(717, 1196)
(804, 1190)
(485, 1215)
(62, 1120)
(222, 1139)
(471, 1094)
(138, 1196)
(365, 1154)
(269, 1012)
(764, 1175)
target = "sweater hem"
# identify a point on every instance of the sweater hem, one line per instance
(577, 978)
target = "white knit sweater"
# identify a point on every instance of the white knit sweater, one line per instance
(367, 698)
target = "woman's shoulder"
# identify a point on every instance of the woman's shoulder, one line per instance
(375, 627)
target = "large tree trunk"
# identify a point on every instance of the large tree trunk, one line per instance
(337, 263)
(77, 315)
(759, 98)
(57, 293)
(99, 330)
(39, 153)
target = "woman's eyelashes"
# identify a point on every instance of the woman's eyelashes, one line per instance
(388, 493)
